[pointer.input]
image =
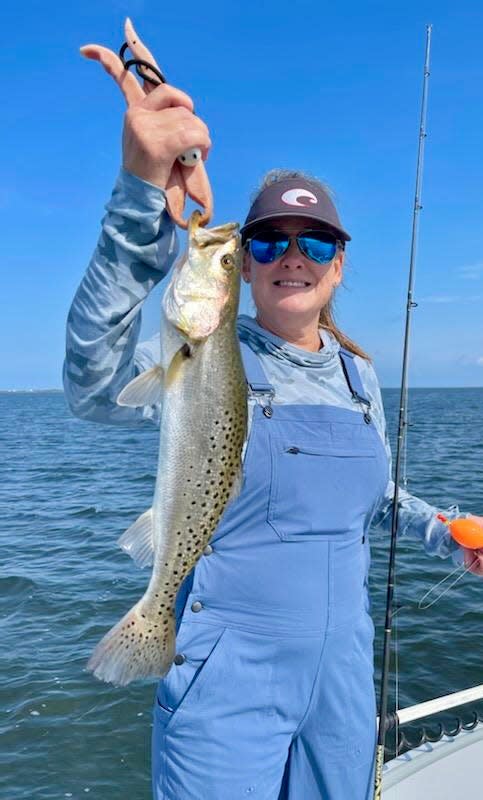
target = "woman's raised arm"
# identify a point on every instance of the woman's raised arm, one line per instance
(136, 248)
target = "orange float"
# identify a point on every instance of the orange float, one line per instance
(467, 532)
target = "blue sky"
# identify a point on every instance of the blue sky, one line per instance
(333, 89)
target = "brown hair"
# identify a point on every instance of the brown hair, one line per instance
(326, 317)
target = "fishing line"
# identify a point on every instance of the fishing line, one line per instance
(420, 604)
(441, 582)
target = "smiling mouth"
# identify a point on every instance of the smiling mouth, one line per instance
(292, 284)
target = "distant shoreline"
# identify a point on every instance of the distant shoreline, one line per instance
(384, 388)
(31, 391)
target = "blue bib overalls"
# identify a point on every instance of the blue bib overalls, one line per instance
(271, 695)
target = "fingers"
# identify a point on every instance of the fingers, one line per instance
(140, 51)
(176, 195)
(187, 130)
(474, 560)
(199, 189)
(168, 132)
(194, 182)
(166, 96)
(113, 65)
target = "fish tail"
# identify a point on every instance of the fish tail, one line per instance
(138, 646)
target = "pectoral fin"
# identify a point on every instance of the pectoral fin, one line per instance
(145, 390)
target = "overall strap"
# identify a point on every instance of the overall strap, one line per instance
(257, 381)
(353, 379)
(254, 372)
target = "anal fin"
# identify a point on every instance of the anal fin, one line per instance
(138, 541)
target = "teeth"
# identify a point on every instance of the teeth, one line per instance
(292, 283)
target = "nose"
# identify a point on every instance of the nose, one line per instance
(293, 258)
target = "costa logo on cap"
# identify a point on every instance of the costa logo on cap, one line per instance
(298, 197)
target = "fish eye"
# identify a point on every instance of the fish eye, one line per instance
(227, 262)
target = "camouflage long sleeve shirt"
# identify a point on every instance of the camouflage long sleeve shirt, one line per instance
(136, 248)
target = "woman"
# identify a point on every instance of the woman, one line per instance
(271, 694)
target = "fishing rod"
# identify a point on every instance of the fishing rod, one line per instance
(402, 426)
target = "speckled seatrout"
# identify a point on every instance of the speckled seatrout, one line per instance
(201, 383)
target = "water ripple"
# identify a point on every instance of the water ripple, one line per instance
(71, 488)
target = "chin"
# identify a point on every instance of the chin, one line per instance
(293, 304)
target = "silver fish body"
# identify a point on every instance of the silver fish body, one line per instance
(203, 427)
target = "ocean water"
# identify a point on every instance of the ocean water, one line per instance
(69, 488)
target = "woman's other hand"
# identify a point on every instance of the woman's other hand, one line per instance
(474, 557)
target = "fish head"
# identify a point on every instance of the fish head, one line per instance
(205, 287)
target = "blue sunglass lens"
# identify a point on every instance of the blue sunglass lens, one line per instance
(266, 249)
(317, 248)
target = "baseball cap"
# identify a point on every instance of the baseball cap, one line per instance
(292, 197)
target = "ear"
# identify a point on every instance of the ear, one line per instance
(246, 267)
(338, 267)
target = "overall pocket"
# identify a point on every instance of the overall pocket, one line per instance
(200, 646)
(319, 492)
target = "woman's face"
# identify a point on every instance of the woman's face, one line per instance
(292, 289)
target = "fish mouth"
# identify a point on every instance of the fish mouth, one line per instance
(208, 237)
(287, 284)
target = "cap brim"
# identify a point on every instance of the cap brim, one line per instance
(339, 232)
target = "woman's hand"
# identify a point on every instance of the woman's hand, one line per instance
(159, 125)
(475, 556)
(157, 129)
